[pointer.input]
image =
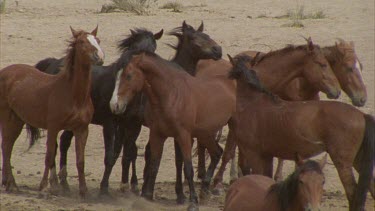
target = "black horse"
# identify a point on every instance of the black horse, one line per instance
(119, 131)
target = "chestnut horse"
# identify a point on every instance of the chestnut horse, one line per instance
(180, 106)
(276, 70)
(347, 68)
(302, 190)
(266, 127)
(51, 102)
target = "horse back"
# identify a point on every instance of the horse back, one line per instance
(248, 193)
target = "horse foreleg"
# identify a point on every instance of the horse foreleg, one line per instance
(156, 144)
(9, 133)
(178, 162)
(184, 141)
(201, 161)
(50, 160)
(81, 139)
(65, 141)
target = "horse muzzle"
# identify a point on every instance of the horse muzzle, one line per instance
(334, 94)
(118, 108)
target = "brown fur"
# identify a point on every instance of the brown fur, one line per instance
(265, 130)
(50, 102)
(302, 190)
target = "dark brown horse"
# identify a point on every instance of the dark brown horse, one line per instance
(276, 70)
(266, 127)
(347, 68)
(180, 106)
(302, 190)
(50, 102)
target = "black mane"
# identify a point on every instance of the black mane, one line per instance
(241, 72)
(286, 190)
(179, 33)
(139, 40)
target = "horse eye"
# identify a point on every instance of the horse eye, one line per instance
(323, 65)
(128, 77)
(301, 182)
(349, 69)
(323, 182)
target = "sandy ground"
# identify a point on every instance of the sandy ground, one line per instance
(37, 29)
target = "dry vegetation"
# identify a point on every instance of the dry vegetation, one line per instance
(174, 6)
(139, 7)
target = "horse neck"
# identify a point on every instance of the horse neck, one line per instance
(279, 70)
(79, 76)
(186, 59)
(247, 95)
(158, 81)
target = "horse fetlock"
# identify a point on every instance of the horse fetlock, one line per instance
(181, 198)
(63, 174)
(218, 189)
(193, 207)
(43, 184)
(10, 185)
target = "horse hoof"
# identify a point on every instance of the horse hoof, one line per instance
(193, 207)
(11, 186)
(148, 196)
(181, 199)
(135, 189)
(204, 195)
(65, 186)
(218, 190)
(124, 187)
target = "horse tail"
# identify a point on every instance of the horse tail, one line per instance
(367, 158)
(42, 65)
(33, 134)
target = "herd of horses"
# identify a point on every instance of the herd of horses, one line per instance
(269, 101)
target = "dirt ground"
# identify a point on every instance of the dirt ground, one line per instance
(36, 29)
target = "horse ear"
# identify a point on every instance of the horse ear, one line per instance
(184, 25)
(230, 59)
(299, 161)
(159, 34)
(74, 32)
(132, 32)
(201, 27)
(323, 161)
(310, 44)
(255, 59)
(95, 31)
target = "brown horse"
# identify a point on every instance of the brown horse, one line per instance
(50, 102)
(302, 190)
(266, 127)
(276, 70)
(347, 68)
(180, 106)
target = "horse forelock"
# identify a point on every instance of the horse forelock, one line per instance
(286, 191)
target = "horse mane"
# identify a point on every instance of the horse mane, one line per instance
(286, 191)
(71, 53)
(177, 32)
(249, 75)
(125, 46)
(287, 49)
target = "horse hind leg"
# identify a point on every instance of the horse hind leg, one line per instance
(9, 130)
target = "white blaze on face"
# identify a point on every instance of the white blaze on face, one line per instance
(94, 43)
(114, 99)
(358, 66)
